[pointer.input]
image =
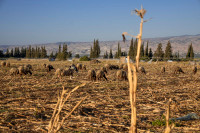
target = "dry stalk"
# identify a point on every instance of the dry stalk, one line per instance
(134, 100)
(132, 90)
(130, 79)
(67, 115)
(139, 44)
(54, 124)
(168, 129)
(133, 78)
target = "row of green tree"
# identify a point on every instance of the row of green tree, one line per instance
(95, 50)
(37, 52)
(28, 52)
(168, 54)
(63, 54)
(117, 54)
(147, 53)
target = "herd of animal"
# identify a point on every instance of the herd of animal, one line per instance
(93, 75)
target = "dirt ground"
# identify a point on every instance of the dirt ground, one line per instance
(27, 102)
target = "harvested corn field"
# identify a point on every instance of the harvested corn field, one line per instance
(28, 101)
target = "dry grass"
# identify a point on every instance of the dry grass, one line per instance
(27, 102)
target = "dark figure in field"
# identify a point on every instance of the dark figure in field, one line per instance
(95, 61)
(122, 75)
(73, 67)
(21, 70)
(7, 64)
(142, 70)
(104, 69)
(107, 66)
(111, 67)
(58, 72)
(29, 66)
(194, 69)
(68, 72)
(162, 69)
(84, 67)
(24, 70)
(79, 66)
(114, 67)
(91, 75)
(3, 64)
(14, 71)
(178, 70)
(48, 67)
(101, 74)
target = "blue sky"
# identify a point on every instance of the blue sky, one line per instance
(43, 21)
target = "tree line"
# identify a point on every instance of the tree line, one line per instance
(27, 52)
(95, 50)
(37, 52)
(146, 53)
(62, 54)
(117, 54)
(159, 54)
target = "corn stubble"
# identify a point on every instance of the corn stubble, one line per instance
(107, 109)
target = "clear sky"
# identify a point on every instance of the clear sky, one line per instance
(44, 21)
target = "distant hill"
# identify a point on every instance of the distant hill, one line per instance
(179, 43)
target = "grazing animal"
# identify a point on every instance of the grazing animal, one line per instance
(95, 61)
(79, 66)
(28, 70)
(111, 67)
(24, 70)
(68, 72)
(194, 69)
(84, 67)
(178, 70)
(73, 67)
(7, 64)
(29, 66)
(162, 69)
(14, 71)
(48, 67)
(104, 69)
(91, 75)
(114, 67)
(122, 75)
(58, 72)
(21, 70)
(142, 70)
(107, 66)
(3, 64)
(100, 75)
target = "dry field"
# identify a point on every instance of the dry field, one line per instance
(27, 102)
